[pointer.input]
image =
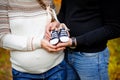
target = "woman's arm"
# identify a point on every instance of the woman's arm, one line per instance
(10, 41)
(14, 42)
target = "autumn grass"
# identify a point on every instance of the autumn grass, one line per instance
(114, 61)
(5, 68)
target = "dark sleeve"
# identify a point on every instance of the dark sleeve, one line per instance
(61, 14)
(110, 10)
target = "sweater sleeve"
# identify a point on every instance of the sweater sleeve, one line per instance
(110, 29)
(4, 20)
(10, 41)
(14, 42)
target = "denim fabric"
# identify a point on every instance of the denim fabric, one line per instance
(89, 66)
(71, 73)
(56, 73)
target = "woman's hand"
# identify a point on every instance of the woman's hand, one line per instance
(58, 47)
(51, 26)
(65, 44)
(49, 47)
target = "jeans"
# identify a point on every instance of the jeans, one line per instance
(56, 73)
(88, 66)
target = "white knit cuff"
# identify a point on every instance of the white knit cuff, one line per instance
(36, 43)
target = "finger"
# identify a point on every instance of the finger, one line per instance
(63, 25)
(52, 50)
(60, 49)
(55, 25)
(48, 28)
(61, 45)
(52, 27)
(56, 50)
(47, 36)
(51, 46)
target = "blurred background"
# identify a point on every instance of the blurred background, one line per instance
(114, 61)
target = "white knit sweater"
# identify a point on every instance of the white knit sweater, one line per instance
(27, 27)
